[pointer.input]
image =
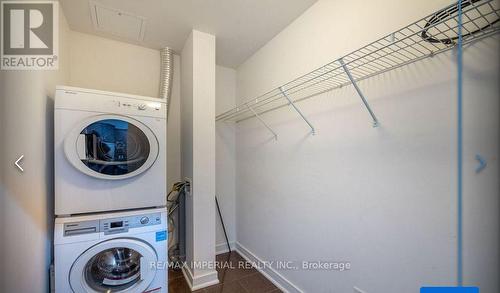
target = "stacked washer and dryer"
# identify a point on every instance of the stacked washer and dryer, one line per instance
(110, 183)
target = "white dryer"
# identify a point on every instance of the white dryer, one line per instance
(110, 151)
(120, 252)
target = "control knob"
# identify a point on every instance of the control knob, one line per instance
(144, 220)
(141, 107)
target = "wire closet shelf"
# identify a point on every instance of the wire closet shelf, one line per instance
(425, 38)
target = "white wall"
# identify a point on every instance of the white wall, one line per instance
(26, 203)
(225, 140)
(481, 191)
(382, 198)
(198, 154)
(104, 64)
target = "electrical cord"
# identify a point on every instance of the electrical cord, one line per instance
(173, 204)
(174, 198)
(442, 15)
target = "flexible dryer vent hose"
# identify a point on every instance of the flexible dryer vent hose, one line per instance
(166, 74)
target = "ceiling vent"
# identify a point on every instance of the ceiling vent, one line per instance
(116, 22)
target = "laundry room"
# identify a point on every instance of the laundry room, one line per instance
(176, 146)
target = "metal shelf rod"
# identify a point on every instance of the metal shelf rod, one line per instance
(263, 122)
(298, 111)
(360, 93)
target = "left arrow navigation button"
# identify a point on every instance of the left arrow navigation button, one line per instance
(18, 163)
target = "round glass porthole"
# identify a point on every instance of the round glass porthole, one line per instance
(114, 269)
(111, 147)
(118, 265)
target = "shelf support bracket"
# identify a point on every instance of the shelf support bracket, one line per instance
(298, 110)
(360, 93)
(263, 122)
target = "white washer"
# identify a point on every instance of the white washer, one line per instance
(110, 151)
(112, 252)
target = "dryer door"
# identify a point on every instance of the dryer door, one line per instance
(118, 265)
(111, 147)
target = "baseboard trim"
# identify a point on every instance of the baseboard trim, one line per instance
(222, 247)
(188, 275)
(271, 274)
(199, 282)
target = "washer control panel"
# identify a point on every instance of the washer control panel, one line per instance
(112, 226)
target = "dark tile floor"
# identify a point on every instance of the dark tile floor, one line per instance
(235, 276)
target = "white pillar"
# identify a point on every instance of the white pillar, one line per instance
(198, 155)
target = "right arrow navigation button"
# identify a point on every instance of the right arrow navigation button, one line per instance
(482, 163)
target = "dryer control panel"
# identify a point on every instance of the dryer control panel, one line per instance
(113, 225)
(111, 103)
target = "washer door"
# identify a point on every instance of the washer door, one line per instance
(118, 265)
(111, 147)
